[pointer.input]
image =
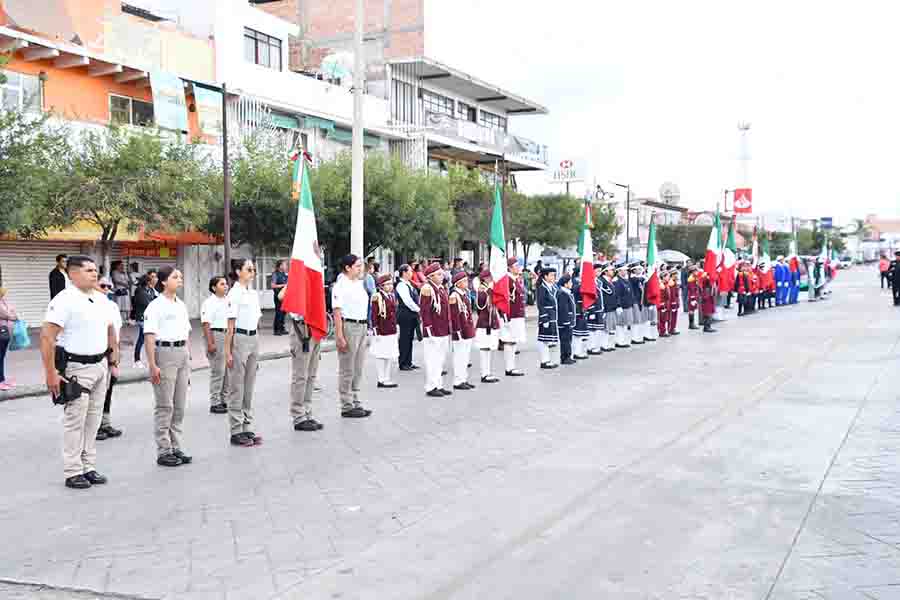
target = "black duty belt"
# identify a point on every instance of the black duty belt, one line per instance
(86, 359)
(219, 329)
(178, 344)
(359, 321)
(246, 331)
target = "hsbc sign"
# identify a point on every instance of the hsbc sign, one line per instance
(567, 171)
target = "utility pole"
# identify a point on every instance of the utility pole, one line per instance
(226, 182)
(356, 202)
(627, 188)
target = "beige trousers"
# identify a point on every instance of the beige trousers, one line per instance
(171, 397)
(304, 366)
(351, 364)
(81, 418)
(218, 371)
(242, 381)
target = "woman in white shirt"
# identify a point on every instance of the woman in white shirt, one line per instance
(166, 329)
(242, 353)
(350, 303)
(214, 318)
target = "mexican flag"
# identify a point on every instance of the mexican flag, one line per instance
(586, 250)
(729, 261)
(498, 266)
(713, 249)
(305, 293)
(765, 248)
(652, 287)
(794, 259)
(755, 250)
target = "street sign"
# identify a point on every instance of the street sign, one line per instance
(826, 223)
(743, 201)
(567, 171)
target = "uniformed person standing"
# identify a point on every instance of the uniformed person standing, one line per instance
(167, 328)
(434, 311)
(385, 346)
(512, 326)
(242, 353)
(548, 332)
(565, 319)
(742, 286)
(596, 317)
(305, 353)
(606, 295)
(462, 330)
(636, 280)
(662, 324)
(894, 277)
(78, 321)
(350, 306)
(707, 301)
(107, 430)
(214, 318)
(674, 300)
(625, 299)
(693, 297)
(651, 311)
(487, 326)
(581, 337)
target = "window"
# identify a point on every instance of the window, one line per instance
(128, 111)
(262, 49)
(403, 103)
(21, 92)
(492, 121)
(464, 112)
(435, 103)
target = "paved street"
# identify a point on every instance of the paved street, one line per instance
(758, 463)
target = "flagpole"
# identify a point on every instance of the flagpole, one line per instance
(356, 202)
(226, 183)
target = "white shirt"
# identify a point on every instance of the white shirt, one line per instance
(403, 290)
(215, 312)
(167, 319)
(115, 316)
(351, 297)
(244, 307)
(85, 319)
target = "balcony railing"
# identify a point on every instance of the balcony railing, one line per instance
(496, 141)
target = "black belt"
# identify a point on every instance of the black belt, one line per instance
(171, 344)
(220, 329)
(359, 321)
(245, 332)
(86, 359)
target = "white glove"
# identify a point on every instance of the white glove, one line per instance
(546, 325)
(619, 311)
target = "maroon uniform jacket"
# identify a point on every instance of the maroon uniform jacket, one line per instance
(664, 292)
(434, 310)
(674, 293)
(384, 313)
(516, 297)
(488, 315)
(693, 293)
(461, 315)
(707, 299)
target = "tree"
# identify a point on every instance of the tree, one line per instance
(810, 241)
(689, 239)
(119, 179)
(549, 220)
(32, 150)
(605, 230)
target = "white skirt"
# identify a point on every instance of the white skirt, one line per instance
(485, 341)
(513, 331)
(385, 346)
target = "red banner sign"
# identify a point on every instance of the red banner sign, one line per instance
(743, 201)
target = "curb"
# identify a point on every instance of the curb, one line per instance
(138, 375)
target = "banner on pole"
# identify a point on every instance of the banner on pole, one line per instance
(743, 201)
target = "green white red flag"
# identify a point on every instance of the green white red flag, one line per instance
(498, 266)
(586, 250)
(305, 292)
(713, 250)
(729, 262)
(652, 285)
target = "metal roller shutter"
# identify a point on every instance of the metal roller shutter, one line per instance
(24, 267)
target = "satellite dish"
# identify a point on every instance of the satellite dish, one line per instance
(669, 193)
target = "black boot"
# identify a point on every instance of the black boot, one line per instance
(707, 326)
(691, 323)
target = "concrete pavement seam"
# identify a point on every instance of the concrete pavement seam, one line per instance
(43, 586)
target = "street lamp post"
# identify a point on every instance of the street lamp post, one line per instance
(627, 188)
(356, 197)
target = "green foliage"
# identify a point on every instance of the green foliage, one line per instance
(689, 239)
(549, 220)
(4, 60)
(810, 241)
(605, 230)
(120, 178)
(31, 158)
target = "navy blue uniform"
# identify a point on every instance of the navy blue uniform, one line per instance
(565, 320)
(547, 314)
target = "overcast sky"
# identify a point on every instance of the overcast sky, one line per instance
(652, 91)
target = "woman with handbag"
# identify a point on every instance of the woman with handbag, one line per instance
(7, 320)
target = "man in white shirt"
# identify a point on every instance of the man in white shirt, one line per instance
(242, 354)
(88, 343)
(407, 316)
(214, 318)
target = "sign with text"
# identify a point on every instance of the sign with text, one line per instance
(826, 223)
(567, 171)
(743, 201)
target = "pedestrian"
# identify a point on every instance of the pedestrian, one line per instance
(242, 352)
(434, 304)
(8, 318)
(305, 353)
(369, 278)
(651, 309)
(214, 320)
(674, 300)
(894, 272)
(121, 288)
(595, 316)
(610, 303)
(794, 285)
(663, 320)
(457, 266)
(636, 280)
(693, 298)
(279, 282)
(462, 330)
(167, 328)
(548, 311)
(79, 322)
(565, 319)
(106, 430)
(407, 315)
(581, 336)
(134, 276)
(707, 301)
(682, 280)
(884, 267)
(418, 278)
(384, 325)
(487, 326)
(512, 325)
(58, 278)
(144, 294)
(782, 276)
(625, 299)
(350, 303)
